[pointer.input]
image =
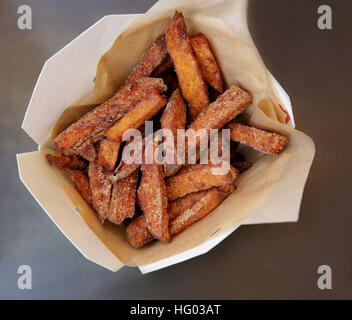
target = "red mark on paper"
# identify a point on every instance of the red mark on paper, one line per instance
(288, 118)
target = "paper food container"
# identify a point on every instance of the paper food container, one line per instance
(87, 71)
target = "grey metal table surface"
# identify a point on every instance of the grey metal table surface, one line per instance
(259, 261)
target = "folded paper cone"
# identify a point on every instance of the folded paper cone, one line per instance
(273, 186)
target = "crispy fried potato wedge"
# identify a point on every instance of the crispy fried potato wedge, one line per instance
(58, 161)
(108, 113)
(207, 61)
(124, 170)
(108, 153)
(86, 150)
(153, 200)
(151, 59)
(264, 141)
(189, 75)
(199, 210)
(184, 212)
(137, 232)
(231, 103)
(123, 199)
(144, 110)
(180, 205)
(174, 117)
(196, 178)
(71, 162)
(81, 183)
(100, 185)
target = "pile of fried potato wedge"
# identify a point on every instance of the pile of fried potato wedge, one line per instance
(176, 84)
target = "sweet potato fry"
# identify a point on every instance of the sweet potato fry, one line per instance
(137, 232)
(195, 178)
(231, 103)
(108, 153)
(123, 198)
(190, 209)
(151, 59)
(206, 61)
(176, 207)
(189, 75)
(264, 141)
(124, 170)
(58, 161)
(199, 210)
(81, 183)
(108, 113)
(143, 111)
(100, 185)
(86, 150)
(173, 118)
(174, 115)
(71, 162)
(77, 162)
(153, 200)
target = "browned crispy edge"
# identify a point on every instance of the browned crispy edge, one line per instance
(108, 153)
(123, 198)
(195, 178)
(81, 183)
(207, 61)
(264, 141)
(150, 60)
(153, 200)
(100, 185)
(107, 114)
(189, 75)
(199, 210)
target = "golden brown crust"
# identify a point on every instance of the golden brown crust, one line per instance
(124, 170)
(81, 183)
(60, 161)
(108, 113)
(173, 118)
(100, 185)
(108, 153)
(153, 200)
(184, 212)
(180, 205)
(207, 61)
(188, 71)
(264, 141)
(123, 198)
(144, 110)
(86, 150)
(151, 59)
(199, 210)
(231, 103)
(174, 115)
(137, 232)
(195, 178)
